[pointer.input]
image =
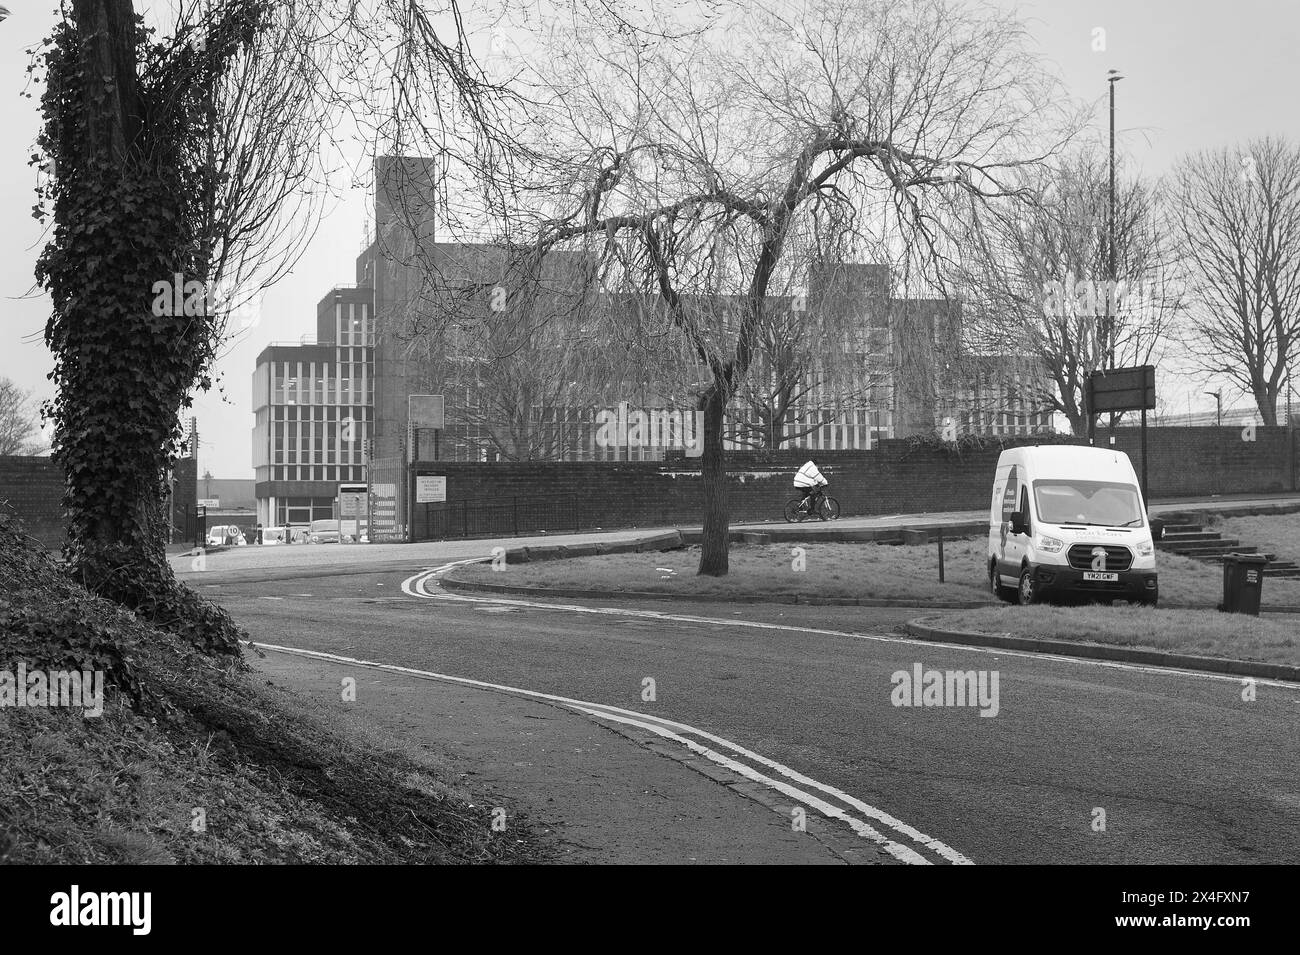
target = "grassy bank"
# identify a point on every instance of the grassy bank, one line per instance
(1277, 534)
(1230, 636)
(194, 761)
(837, 570)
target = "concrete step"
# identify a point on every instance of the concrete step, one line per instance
(1216, 557)
(1207, 548)
(1183, 528)
(1199, 542)
(1190, 536)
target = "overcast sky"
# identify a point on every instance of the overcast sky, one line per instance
(1198, 74)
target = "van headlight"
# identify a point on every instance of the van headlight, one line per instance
(1049, 545)
(1145, 549)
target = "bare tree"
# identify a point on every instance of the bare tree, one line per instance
(688, 167)
(1238, 215)
(19, 433)
(1038, 281)
(520, 353)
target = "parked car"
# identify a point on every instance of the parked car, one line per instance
(324, 532)
(227, 535)
(300, 535)
(277, 535)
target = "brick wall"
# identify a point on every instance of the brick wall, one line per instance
(33, 489)
(1211, 460)
(893, 479)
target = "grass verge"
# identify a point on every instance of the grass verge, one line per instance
(1228, 636)
(194, 761)
(862, 571)
(831, 570)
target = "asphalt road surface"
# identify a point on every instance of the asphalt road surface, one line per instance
(1184, 769)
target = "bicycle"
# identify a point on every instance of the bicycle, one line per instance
(799, 509)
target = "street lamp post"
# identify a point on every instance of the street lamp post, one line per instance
(1218, 406)
(1112, 78)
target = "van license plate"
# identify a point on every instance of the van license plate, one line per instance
(1098, 575)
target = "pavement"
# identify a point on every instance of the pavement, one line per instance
(600, 795)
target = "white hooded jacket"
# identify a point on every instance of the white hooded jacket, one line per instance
(809, 476)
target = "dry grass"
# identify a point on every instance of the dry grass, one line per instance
(204, 763)
(838, 570)
(832, 570)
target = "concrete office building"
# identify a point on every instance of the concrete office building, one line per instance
(393, 335)
(312, 407)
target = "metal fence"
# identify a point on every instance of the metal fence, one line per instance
(190, 524)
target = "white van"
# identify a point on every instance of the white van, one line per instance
(1069, 521)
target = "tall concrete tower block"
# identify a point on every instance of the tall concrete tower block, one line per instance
(405, 205)
(840, 291)
(925, 338)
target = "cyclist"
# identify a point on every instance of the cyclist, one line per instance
(810, 481)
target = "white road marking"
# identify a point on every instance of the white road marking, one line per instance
(414, 586)
(660, 727)
(419, 580)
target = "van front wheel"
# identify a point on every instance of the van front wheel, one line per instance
(1005, 594)
(1028, 593)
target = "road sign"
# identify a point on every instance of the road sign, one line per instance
(212, 502)
(353, 500)
(430, 489)
(425, 411)
(1122, 389)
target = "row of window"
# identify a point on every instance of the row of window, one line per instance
(319, 442)
(353, 325)
(328, 472)
(345, 382)
(328, 413)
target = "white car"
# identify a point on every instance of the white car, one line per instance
(225, 535)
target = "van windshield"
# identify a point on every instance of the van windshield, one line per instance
(1088, 502)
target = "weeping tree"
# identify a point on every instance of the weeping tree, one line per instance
(168, 161)
(517, 352)
(687, 167)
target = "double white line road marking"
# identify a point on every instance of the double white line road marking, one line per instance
(898, 838)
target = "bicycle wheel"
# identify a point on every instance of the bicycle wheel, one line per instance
(793, 514)
(830, 509)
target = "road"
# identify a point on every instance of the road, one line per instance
(1184, 769)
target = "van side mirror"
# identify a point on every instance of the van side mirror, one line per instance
(1018, 523)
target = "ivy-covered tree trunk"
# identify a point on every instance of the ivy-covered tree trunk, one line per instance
(127, 179)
